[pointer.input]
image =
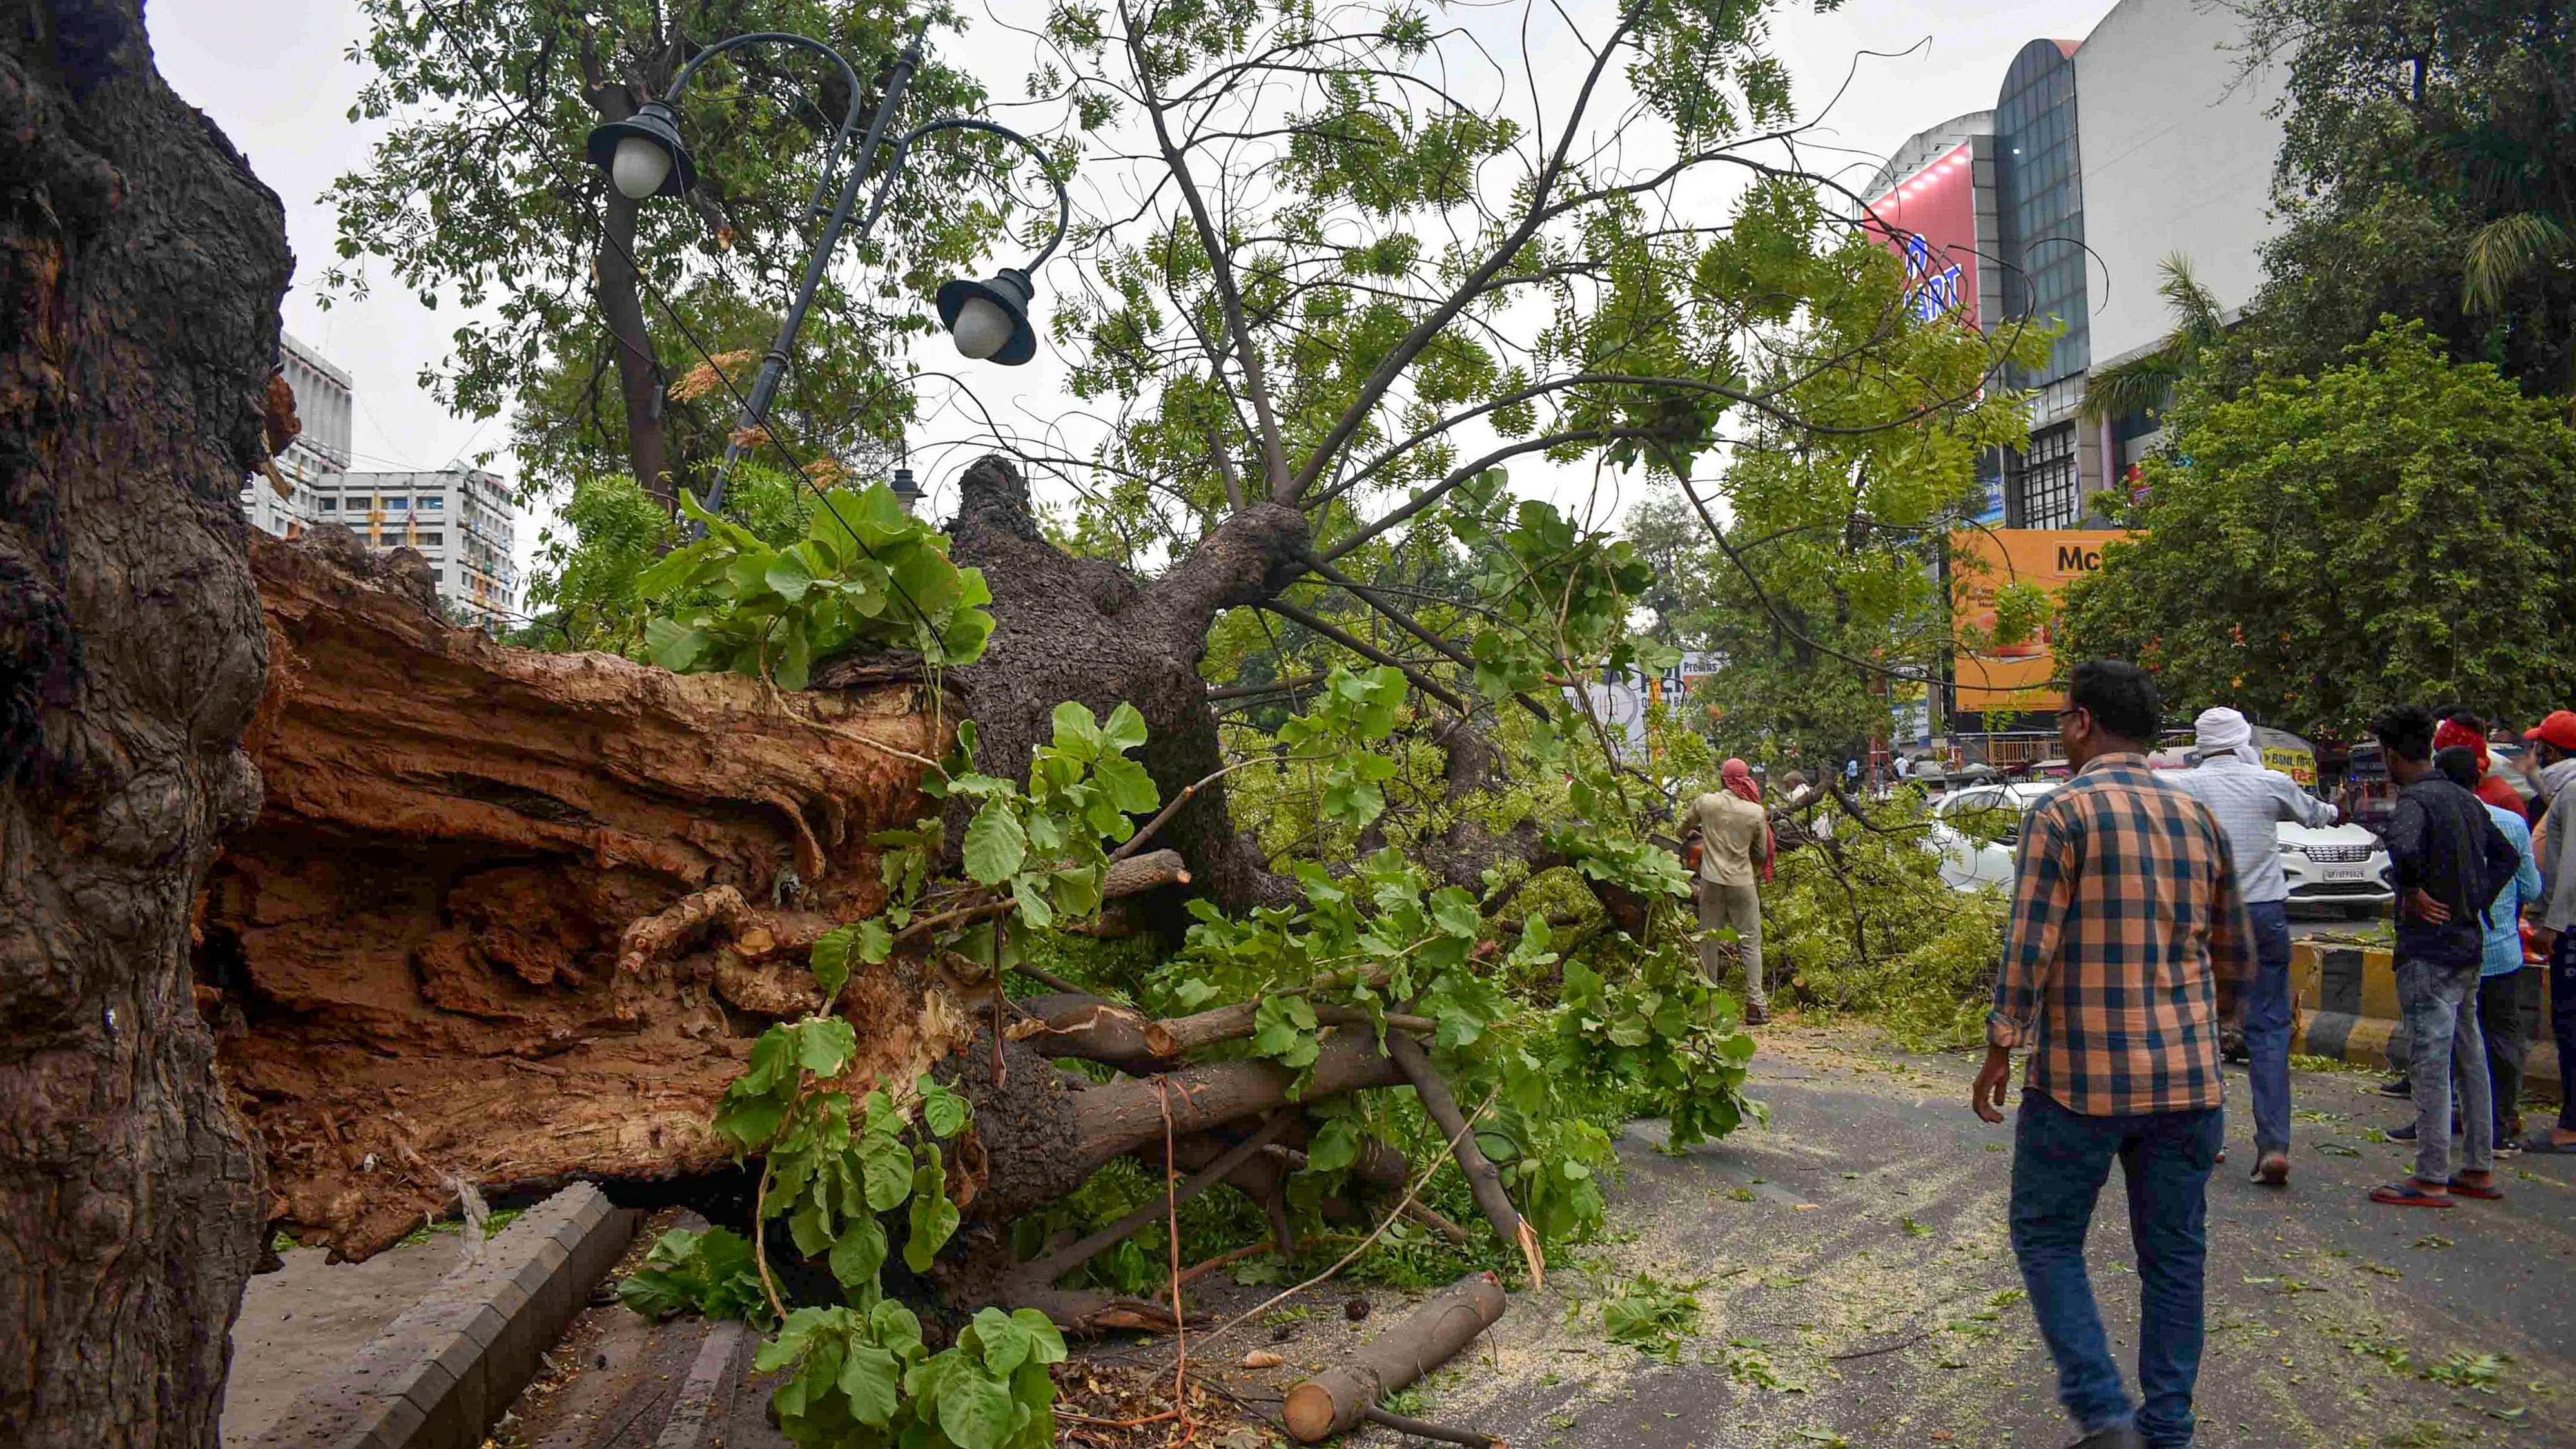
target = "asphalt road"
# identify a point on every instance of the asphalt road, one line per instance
(1868, 1276)
(1856, 1290)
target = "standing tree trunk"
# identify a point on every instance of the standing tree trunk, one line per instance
(140, 270)
(1086, 630)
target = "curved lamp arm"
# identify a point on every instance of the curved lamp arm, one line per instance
(680, 81)
(1046, 168)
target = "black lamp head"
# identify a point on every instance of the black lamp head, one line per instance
(1009, 291)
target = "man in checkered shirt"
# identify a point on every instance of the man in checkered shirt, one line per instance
(2127, 946)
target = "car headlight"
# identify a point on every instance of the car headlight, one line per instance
(2288, 849)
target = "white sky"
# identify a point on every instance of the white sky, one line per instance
(275, 74)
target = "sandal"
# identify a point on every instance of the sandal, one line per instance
(2488, 1193)
(2407, 1194)
(2543, 1143)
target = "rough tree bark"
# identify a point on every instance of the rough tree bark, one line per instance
(1086, 630)
(140, 270)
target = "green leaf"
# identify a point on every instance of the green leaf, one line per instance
(1130, 788)
(977, 1411)
(830, 961)
(887, 1166)
(942, 1111)
(934, 1217)
(1077, 730)
(872, 1380)
(858, 1253)
(825, 1045)
(1046, 1345)
(1284, 1030)
(1125, 729)
(1336, 1147)
(1006, 1343)
(788, 576)
(673, 646)
(995, 844)
(1034, 910)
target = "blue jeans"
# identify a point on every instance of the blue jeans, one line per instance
(2432, 998)
(2562, 1023)
(2267, 1026)
(2060, 1160)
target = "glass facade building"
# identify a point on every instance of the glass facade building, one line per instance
(2039, 180)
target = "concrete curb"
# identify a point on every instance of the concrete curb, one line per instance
(439, 1375)
(706, 1397)
(2346, 1000)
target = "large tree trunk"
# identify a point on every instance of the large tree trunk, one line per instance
(1083, 629)
(140, 270)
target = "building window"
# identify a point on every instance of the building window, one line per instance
(330, 505)
(432, 540)
(432, 505)
(2041, 485)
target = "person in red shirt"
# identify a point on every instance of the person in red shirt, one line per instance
(2459, 727)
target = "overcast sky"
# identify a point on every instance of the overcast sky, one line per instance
(275, 74)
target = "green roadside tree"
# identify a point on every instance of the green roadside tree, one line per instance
(619, 334)
(2315, 549)
(2428, 170)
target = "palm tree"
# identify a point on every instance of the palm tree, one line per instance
(2505, 251)
(2144, 384)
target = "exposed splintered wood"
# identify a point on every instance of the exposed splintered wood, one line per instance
(508, 917)
(1339, 1398)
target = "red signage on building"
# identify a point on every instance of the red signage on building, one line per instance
(1930, 221)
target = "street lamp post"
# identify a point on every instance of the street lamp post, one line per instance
(989, 319)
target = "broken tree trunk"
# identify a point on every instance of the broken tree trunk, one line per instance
(507, 918)
(141, 265)
(1339, 1398)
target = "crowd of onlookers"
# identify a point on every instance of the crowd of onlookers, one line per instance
(2148, 911)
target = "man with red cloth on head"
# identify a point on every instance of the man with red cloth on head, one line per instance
(2460, 727)
(1735, 856)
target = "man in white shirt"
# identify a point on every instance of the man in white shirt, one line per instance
(1735, 851)
(2250, 803)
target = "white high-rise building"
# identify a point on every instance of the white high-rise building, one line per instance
(323, 403)
(463, 520)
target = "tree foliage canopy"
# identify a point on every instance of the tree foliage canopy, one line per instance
(2429, 170)
(2391, 530)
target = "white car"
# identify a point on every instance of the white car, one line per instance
(1981, 854)
(2334, 865)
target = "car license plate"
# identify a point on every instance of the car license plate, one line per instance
(2343, 872)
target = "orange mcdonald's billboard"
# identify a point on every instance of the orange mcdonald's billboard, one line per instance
(2014, 676)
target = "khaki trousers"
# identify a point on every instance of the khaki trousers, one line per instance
(1739, 906)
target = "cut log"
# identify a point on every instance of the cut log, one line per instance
(1116, 1118)
(1337, 1400)
(469, 856)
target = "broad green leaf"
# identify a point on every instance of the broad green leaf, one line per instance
(872, 1380)
(888, 1169)
(788, 576)
(1077, 731)
(977, 1411)
(1046, 1344)
(825, 1045)
(858, 1253)
(1130, 788)
(1006, 1344)
(996, 846)
(1125, 728)
(942, 1111)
